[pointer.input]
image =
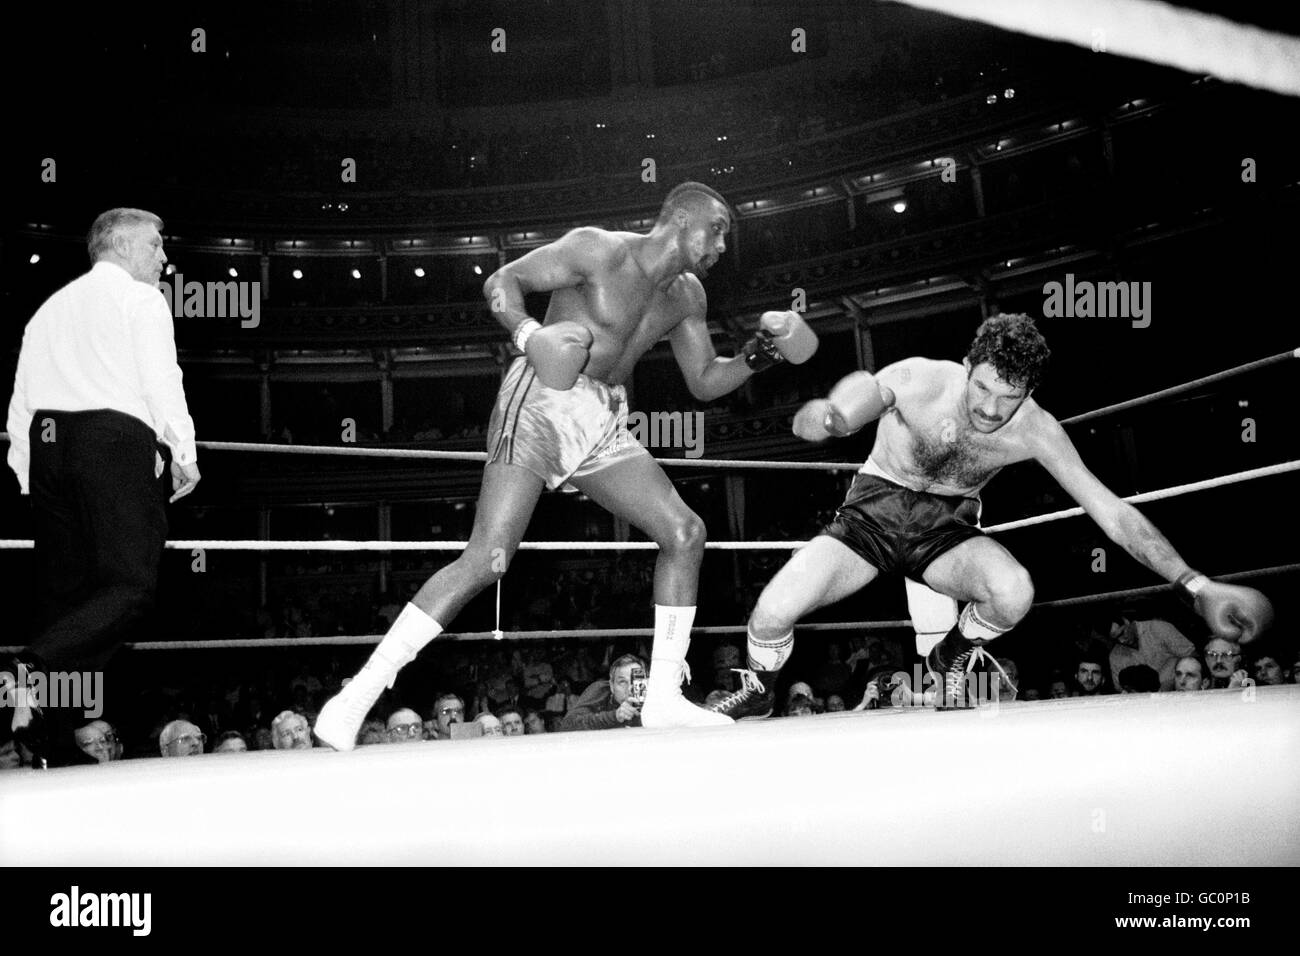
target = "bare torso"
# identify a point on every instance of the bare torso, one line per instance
(626, 312)
(926, 440)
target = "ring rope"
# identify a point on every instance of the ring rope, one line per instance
(483, 456)
(221, 544)
(1184, 388)
(238, 643)
(428, 454)
(1157, 32)
(1249, 475)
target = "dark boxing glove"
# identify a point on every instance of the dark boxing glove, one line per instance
(1232, 612)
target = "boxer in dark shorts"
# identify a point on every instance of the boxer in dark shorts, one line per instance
(898, 530)
(945, 429)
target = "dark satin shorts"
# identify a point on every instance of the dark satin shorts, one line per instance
(899, 530)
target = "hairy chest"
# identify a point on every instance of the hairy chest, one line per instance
(944, 453)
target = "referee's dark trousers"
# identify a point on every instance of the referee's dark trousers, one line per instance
(100, 526)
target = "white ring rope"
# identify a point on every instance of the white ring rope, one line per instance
(1156, 32)
(428, 454)
(347, 451)
(342, 640)
(221, 544)
(1250, 475)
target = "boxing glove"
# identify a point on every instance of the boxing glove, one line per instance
(810, 421)
(558, 352)
(1232, 612)
(781, 337)
(855, 401)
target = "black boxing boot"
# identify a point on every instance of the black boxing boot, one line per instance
(754, 700)
(950, 661)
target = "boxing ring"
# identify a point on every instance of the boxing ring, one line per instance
(1125, 780)
(1162, 779)
(1119, 780)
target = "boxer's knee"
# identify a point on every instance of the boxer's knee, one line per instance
(684, 534)
(1009, 593)
(774, 616)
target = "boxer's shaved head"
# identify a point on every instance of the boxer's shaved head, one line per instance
(693, 197)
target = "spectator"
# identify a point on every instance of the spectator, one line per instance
(1090, 677)
(726, 658)
(798, 689)
(491, 726)
(180, 738)
(263, 739)
(832, 676)
(539, 684)
(607, 704)
(715, 697)
(512, 722)
(98, 740)
(290, 731)
(231, 742)
(1139, 679)
(1267, 669)
(1189, 674)
(1224, 660)
(11, 756)
(834, 704)
(1058, 688)
(98, 385)
(1031, 693)
(448, 709)
(1008, 683)
(800, 705)
(534, 722)
(1155, 643)
(404, 727)
(880, 691)
(374, 732)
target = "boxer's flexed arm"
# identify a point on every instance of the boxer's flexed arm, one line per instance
(708, 376)
(1121, 522)
(565, 263)
(560, 351)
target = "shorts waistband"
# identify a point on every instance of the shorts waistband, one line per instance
(869, 467)
(611, 395)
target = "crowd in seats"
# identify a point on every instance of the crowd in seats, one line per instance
(461, 691)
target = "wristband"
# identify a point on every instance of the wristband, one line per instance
(524, 332)
(760, 353)
(1191, 583)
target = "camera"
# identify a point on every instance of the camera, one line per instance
(636, 694)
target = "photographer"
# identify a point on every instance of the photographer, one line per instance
(611, 703)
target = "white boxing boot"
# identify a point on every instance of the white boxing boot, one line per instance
(341, 718)
(664, 704)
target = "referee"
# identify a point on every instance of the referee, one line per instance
(97, 394)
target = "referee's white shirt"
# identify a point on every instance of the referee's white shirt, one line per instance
(103, 341)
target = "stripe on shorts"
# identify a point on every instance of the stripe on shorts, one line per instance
(511, 422)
